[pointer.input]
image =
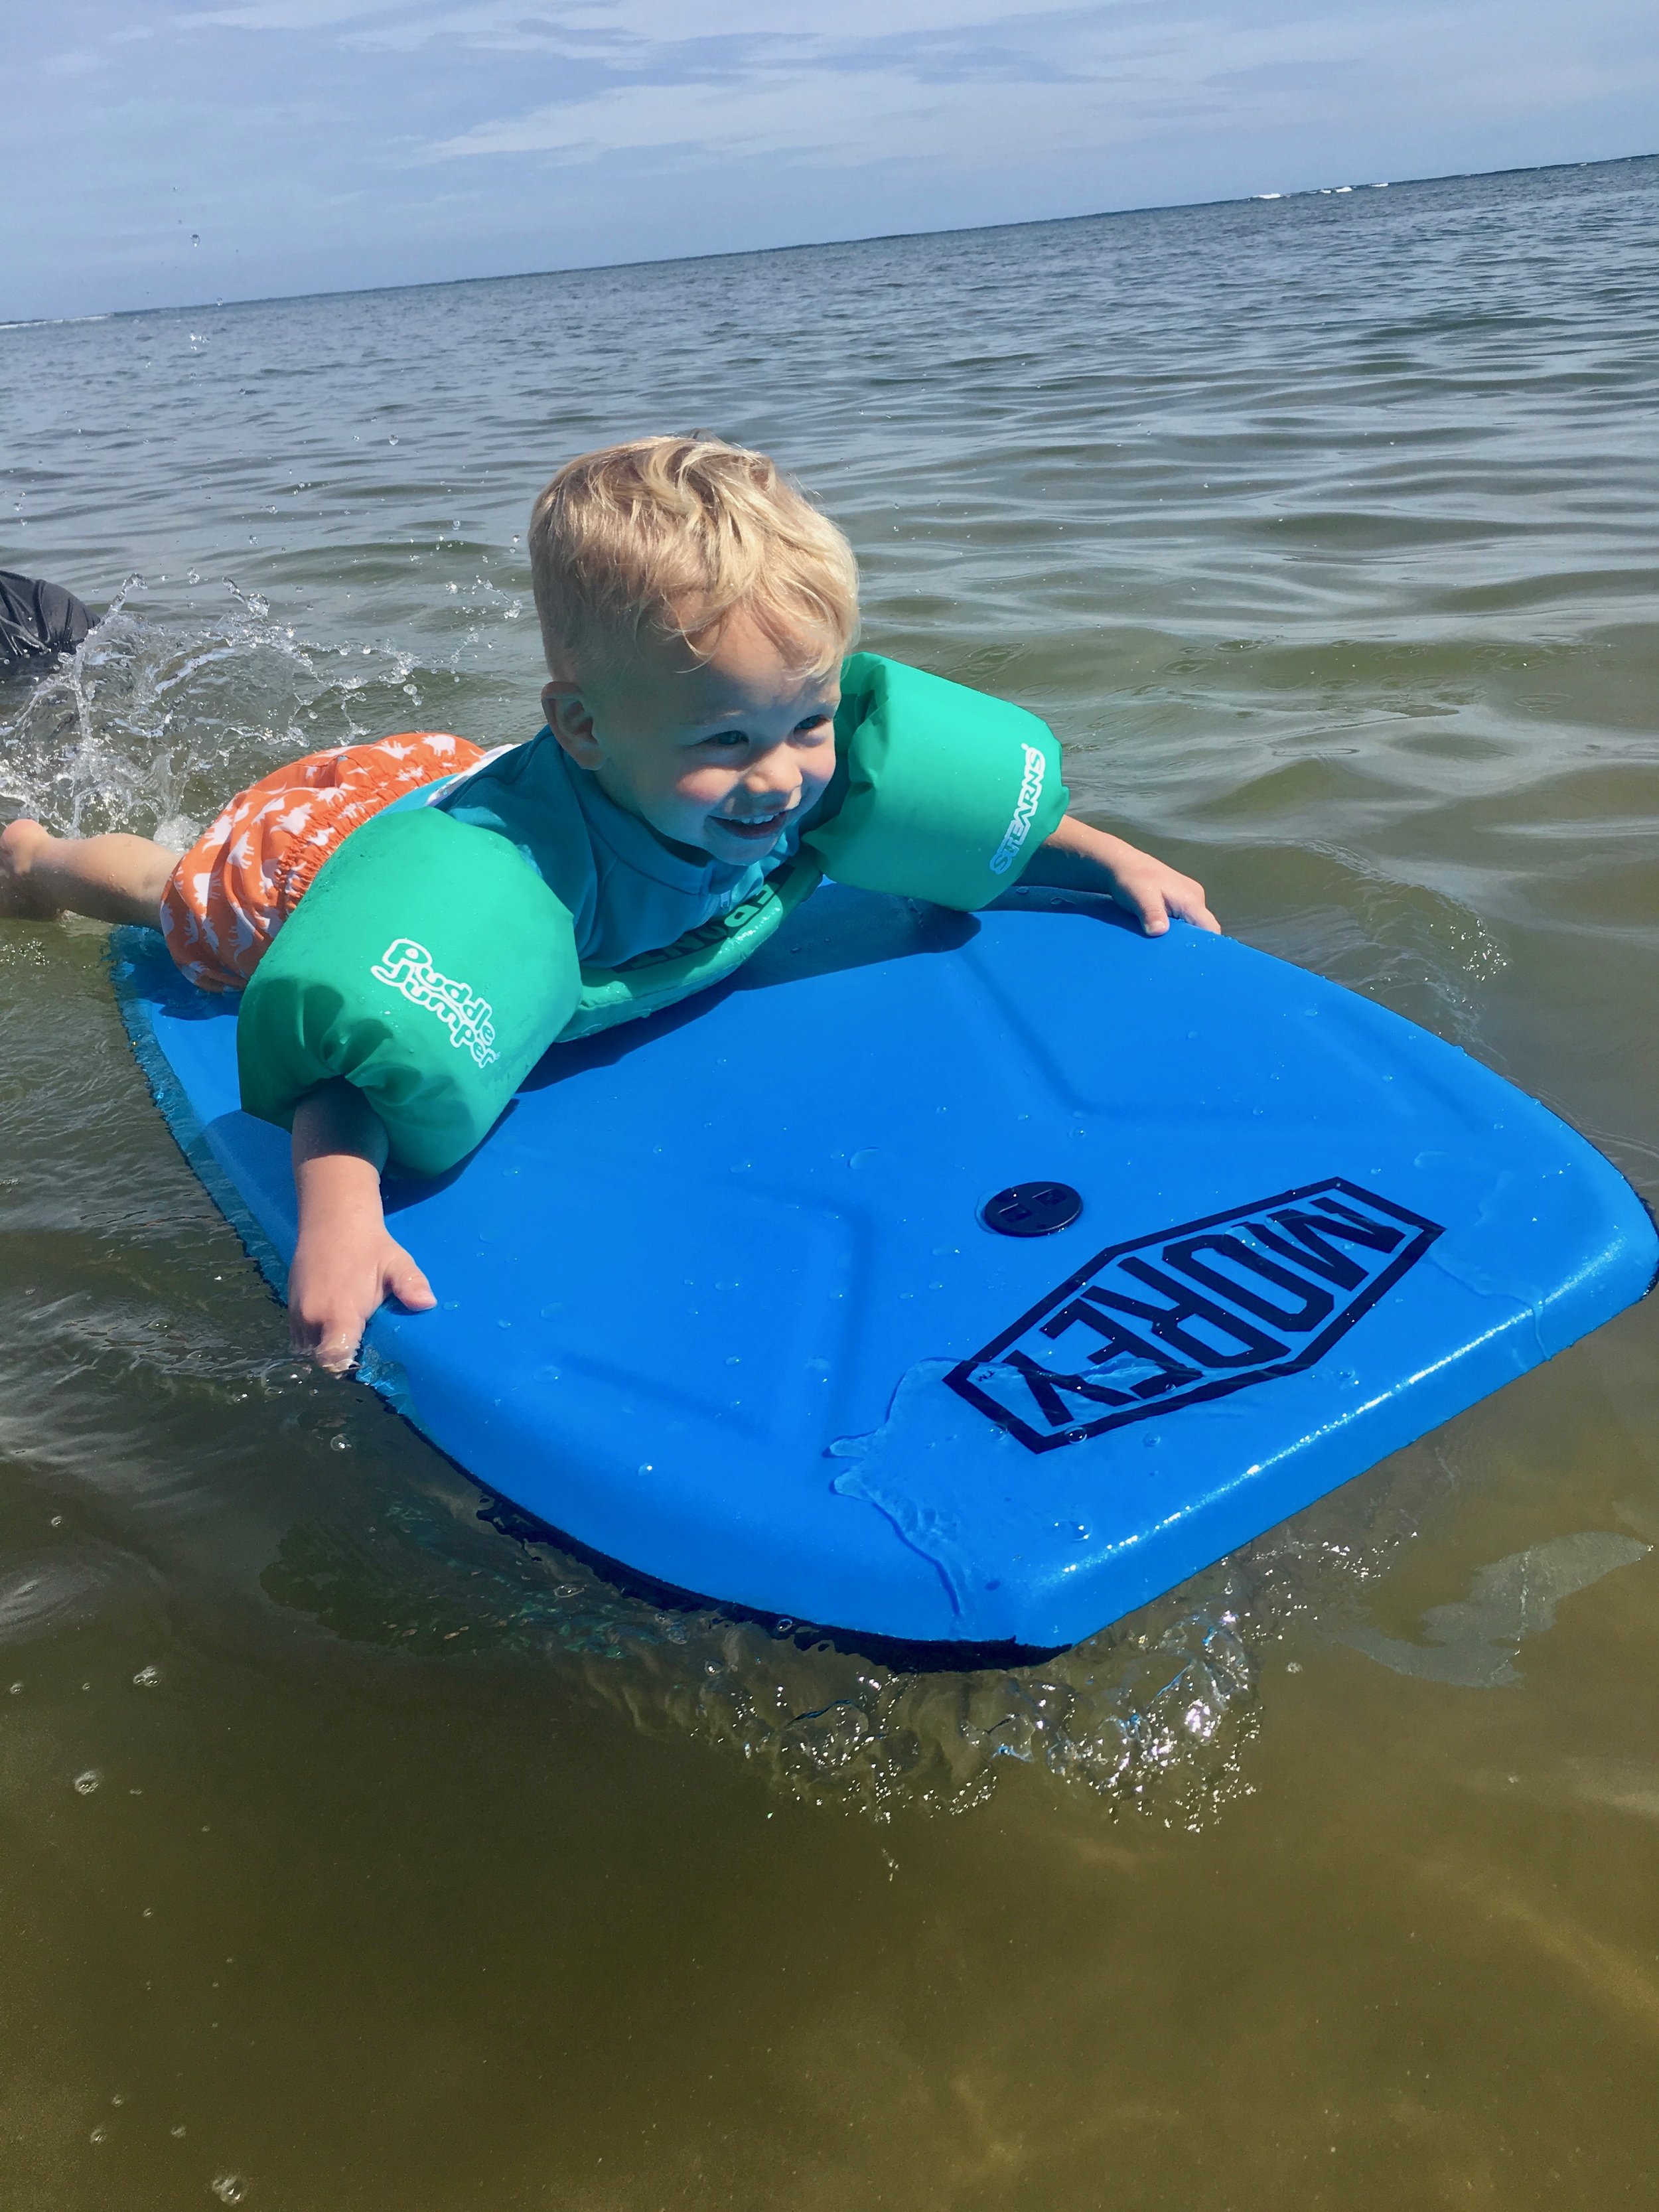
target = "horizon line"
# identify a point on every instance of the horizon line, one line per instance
(816, 246)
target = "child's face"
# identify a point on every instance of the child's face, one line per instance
(720, 755)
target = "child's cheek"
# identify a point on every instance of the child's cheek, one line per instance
(704, 788)
(817, 773)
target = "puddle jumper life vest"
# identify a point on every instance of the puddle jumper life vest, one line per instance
(431, 966)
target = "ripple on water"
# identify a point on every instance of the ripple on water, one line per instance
(1474, 1642)
(1152, 1715)
(41, 1589)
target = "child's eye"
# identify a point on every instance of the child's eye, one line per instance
(819, 721)
(726, 740)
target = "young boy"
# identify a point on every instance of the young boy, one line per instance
(695, 610)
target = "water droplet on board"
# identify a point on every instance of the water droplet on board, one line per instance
(87, 1783)
(147, 1678)
(229, 2187)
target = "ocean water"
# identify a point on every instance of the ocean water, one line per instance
(355, 1855)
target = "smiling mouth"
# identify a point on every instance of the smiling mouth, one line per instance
(760, 829)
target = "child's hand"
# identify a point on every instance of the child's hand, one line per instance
(1078, 858)
(342, 1271)
(1154, 892)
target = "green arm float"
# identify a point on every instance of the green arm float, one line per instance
(947, 792)
(429, 965)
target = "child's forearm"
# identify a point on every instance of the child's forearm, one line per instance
(1078, 859)
(339, 1150)
(344, 1263)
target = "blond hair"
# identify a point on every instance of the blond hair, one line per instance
(673, 536)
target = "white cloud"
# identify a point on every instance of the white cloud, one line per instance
(491, 24)
(282, 14)
(668, 26)
(81, 62)
(767, 112)
(1113, 75)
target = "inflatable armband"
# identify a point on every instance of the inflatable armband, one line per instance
(947, 792)
(429, 965)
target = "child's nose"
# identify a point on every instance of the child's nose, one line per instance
(774, 775)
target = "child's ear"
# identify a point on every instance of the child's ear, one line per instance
(571, 720)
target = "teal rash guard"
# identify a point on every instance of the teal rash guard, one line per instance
(626, 889)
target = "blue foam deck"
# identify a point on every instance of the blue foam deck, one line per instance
(717, 1302)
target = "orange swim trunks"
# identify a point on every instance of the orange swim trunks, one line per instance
(241, 879)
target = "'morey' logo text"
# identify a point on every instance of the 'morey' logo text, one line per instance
(1194, 1313)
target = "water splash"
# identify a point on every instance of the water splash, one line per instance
(1414, 949)
(1154, 1720)
(150, 726)
(1153, 1717)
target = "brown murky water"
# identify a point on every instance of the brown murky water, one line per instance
(356, 1857)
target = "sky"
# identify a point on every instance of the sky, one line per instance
(158, 156)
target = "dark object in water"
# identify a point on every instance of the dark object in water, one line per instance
(37, 620)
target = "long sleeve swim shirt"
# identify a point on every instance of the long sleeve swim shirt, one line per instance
(628, 890)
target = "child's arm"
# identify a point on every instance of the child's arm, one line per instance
(344, 1263)
(1080, 859)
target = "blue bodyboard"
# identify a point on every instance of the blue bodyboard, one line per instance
(719, 1298)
